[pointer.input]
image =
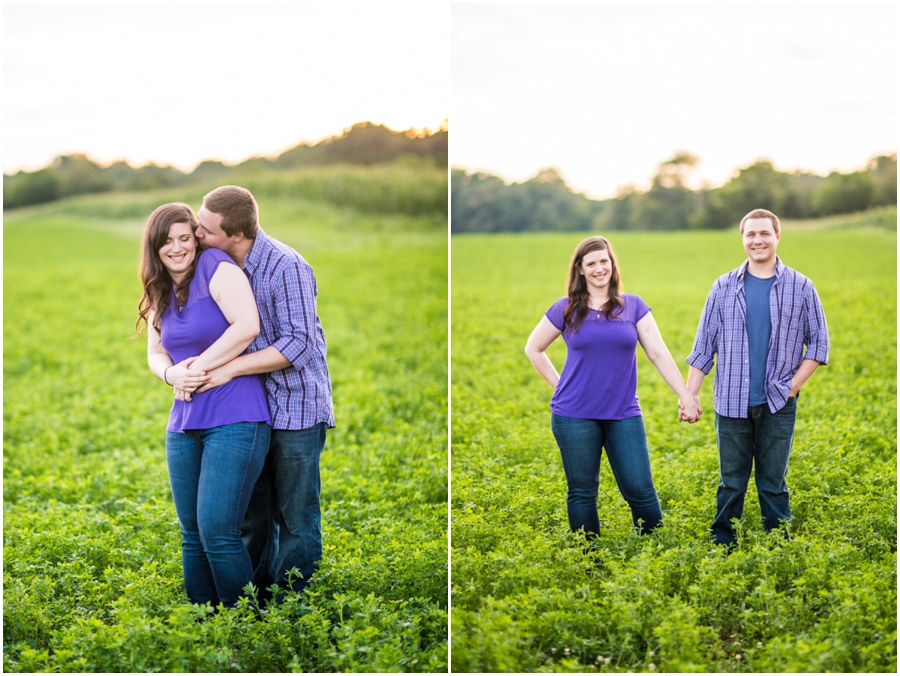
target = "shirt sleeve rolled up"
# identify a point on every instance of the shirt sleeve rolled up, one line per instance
(815, 328)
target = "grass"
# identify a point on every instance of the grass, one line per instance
(524, 596)
(92, 571)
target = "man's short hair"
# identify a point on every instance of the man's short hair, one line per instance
(762, 213)
(237, 208)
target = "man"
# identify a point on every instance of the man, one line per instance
(757, 319)
(282, 529)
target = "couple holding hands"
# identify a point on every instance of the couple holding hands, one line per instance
(755, 324)
(232, 327)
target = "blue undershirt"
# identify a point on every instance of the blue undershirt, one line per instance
(759, 330)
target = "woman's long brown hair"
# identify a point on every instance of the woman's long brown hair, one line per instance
(577, 290)
(155, 277)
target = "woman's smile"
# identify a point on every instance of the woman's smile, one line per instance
(179, 251)
(596, 267)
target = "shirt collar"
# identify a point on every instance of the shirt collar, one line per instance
(779, 269)
(254, 256)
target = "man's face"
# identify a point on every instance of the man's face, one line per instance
(760, 240)
(210, 232)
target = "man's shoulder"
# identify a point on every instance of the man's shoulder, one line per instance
(796, 283)
(727, 279)
(276, 256)
(795, 275)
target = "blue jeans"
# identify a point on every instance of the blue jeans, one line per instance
(580, 444)
(763, 439)
(212, 474)
(283, 526)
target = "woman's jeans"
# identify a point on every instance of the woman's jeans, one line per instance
(763, 439)
(212, 474)
(580, 443)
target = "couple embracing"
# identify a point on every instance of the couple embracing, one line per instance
(756, 323)
(230, 315)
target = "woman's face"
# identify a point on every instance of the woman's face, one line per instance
(179, 251)
(596, 267)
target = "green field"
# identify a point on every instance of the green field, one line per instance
(92, 563)
(524, 596)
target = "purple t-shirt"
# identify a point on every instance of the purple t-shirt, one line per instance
(599, 379)
(187, 334)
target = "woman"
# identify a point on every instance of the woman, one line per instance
(595, 403)
(199, 313)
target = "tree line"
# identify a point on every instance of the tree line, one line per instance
(362, 144)
(481, 202)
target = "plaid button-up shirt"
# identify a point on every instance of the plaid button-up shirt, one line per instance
(284, 285)
(797, 320)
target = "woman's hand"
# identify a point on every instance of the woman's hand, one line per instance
(691, 411)
(538, 342)
(181, 377)
(181, 395)
(659, 355)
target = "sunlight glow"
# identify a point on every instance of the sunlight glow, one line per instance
(177, 84)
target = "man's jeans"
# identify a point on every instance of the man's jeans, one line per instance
(283, 526)
(580, 444)
(212, 473)
(762, 439)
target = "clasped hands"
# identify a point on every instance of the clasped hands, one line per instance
(690, 413)
(185, 381)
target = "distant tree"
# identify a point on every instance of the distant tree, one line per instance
(152, 177)
(474, 201)
(436, 145)
(843, 193)
(801, 186)
(367, 143)
(120, 173)
(549, 176)
(552, 205)
(884, 172)
(617, 213)
(208, 170)
(669, 203)
(673, 173)
(756, 186)
(79, 175)
(31, 188)
(484, 203)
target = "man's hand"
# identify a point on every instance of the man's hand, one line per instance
(683, 417)
(181, 395)
(181, 377)
(216, 377)
(806, 369)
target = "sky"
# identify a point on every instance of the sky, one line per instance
(180, 83)
(607, 92)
